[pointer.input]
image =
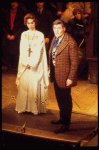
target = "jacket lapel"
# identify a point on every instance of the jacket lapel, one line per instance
(63, 44)
(8, 16)
(51, 47)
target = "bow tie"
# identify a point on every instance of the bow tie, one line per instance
(56, 42)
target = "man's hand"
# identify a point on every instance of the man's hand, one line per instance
(13, 37)
(69, 82)
(10, 37)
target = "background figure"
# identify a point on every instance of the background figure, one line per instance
(32, 77)
(78, 27)
(12, 26)
(45, 20)
(61, 6)
(51, 6)
(29, 5)
(63, 64)
(67, 15)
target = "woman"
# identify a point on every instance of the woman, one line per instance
(78, 27)
(32, 77)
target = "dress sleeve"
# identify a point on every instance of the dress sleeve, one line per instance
(23, 52)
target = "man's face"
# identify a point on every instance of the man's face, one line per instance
(59, 30)
(40, 5)
(14, 5)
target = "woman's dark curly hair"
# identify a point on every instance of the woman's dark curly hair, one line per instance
(77, 10)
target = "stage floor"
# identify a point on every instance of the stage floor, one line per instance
(84, 95)
(84, 118)
(40, 126)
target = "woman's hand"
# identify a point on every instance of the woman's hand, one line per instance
(28, 66)
(47, 40)
(49, 73)
(59, 13)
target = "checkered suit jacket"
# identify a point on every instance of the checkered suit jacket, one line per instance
(66, 63)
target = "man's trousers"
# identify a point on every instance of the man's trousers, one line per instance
(64, 100)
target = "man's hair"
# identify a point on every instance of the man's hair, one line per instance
(58, 21)
(30, 16)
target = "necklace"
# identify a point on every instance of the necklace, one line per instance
(29, 50)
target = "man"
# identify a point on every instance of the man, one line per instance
(12, 26)
(63, 64)
(45, 20)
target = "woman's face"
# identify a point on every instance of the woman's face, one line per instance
(78, 16)
(31, 24)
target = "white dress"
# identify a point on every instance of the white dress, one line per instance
(32, 83)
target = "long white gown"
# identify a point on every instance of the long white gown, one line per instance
(32, 83)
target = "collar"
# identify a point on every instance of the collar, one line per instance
(40, 10)
(60, 38)
(13, 11)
